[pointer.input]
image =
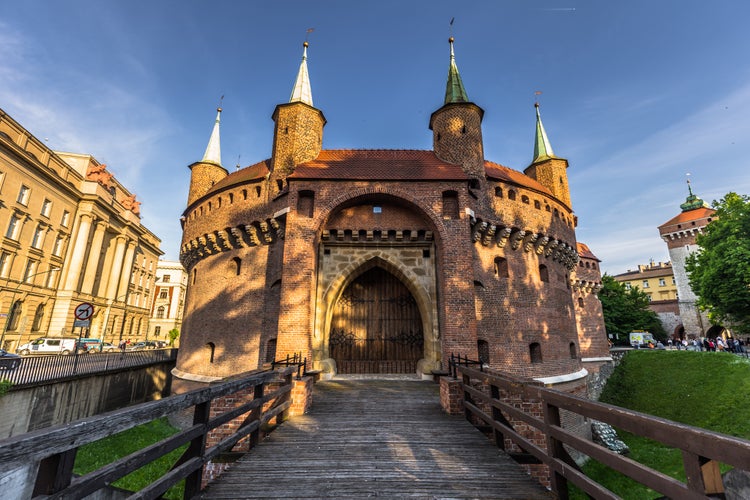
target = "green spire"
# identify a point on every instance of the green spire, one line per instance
(692, 201)
(542, 147)
(454, 90)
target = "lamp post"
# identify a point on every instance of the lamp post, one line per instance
(25, 280)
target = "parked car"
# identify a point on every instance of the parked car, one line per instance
(107, 347)
(8, 360)
(48, 345)
(141, 346)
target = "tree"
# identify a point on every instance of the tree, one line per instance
(719, 273)
(627, 310)
(173, 334)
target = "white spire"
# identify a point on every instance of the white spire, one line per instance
(213, 151)
(301, 91)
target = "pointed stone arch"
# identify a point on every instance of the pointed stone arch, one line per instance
(421, 288)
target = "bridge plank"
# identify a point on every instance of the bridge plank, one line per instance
(386, 438)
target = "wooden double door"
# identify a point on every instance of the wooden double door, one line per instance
(376, 326)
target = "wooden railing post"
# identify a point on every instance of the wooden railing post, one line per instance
(55, 473)
(497, 416)
(702, 474)
(256, 414)
(555, 448)
(196, 448)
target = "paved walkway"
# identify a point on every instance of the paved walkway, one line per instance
(385, 438)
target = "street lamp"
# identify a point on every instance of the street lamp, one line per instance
(25, 280)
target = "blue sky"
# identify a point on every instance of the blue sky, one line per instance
(635, 94)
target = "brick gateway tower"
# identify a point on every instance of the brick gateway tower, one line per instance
(372, 261)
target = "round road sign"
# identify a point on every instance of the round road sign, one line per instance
(84, 310)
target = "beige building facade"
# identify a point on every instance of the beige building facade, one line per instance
(71, 234)
(169, 301)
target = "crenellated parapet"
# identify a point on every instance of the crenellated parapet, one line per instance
(255, 233)
(500, 235)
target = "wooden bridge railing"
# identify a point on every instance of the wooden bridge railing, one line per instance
(510, 407)
(40, 463)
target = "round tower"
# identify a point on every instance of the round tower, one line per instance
(207, 172)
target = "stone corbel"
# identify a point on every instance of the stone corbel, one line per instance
(489, 235)
(502, 237)
(238, 239)
(551, 247)
(529, 242)
(478, 230)
(541, 243)
(252, 234)
(515, 240)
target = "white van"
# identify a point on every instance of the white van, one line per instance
(48, 345)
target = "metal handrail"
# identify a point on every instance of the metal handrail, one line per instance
(294, 360)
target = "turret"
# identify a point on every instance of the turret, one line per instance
(457, 126)
(207, 172)
(549, 170)
(298, 135)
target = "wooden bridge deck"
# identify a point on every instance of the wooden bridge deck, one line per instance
(376, 438)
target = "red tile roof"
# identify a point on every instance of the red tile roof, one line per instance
(251, 173)
(501, 173)
(584, 252)
(378, 164)
(689, 216)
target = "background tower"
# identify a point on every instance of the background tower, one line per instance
(207, 172)
(548, 169)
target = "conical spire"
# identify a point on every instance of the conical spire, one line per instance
(454, 90)
(213, 150)
(301, 91)
(542, 147)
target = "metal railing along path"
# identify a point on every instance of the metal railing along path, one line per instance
(40, 369)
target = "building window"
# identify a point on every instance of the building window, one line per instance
(46, 207)
(483, 350)
(157, 331)
(164, 294)
(450, 205)
(57, 247)
(23, 195)
(160, 312)
(2, 180)
(306, 204)
(511, 195)
(38, 240)
(535, 352)
(15, 315)
(543, 273)
(525, 199)
(14, 227)
(271, 350)
(51, 275)
(499, 192)
(573, 353)
(673, 281)
(662, 282)
(29, 271)
(501, 267)
(237, 265)
(4, 264)
(36, 325)
(537, 205)
(211, 348)
(65, 218)
(166, 278)
(627, 286)
(580, 302)
(645, 283)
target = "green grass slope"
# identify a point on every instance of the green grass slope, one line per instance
(703, 389)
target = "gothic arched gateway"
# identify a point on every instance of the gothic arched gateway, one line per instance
(376, 326)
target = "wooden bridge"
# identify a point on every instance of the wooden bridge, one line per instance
(376, 438)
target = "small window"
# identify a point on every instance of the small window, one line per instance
(627, 286)
(280, 185)
(65, 218)
(547, 208)
(14, 227)
(535, 352)
(662, 282)
(580, 302)
(29, 271)
(23, 195)
(537, 205)
(501, 267)
(164, 294)
(237, 265)
(160, 312)
(271, 351)
(543, 273)
(498, 192)
(4, 264)
(450, 205)
(258, 191)
(211, 350)
(512, 195)
(474, 184)
(645, 283)
(573, 351)
(165, 278)
(376, 209)
(525, 199)
(483, 350)
(15, 316)
(37, 241)
(2, 180)
(157, 331)
(46, 207)
(36, 325)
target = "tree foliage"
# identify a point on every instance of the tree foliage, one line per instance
(173, 334)
(627, 310)
(719, 273)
